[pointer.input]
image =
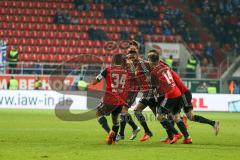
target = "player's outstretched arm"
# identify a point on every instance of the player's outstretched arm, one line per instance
(96, 81)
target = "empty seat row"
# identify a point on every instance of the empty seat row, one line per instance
(65, 58)
(44, 12)
(68, 50)
(162, 38)
(26, 19)
(36, 4)
(46, 5)
(67, 28)
(65, 43)
(197, 46)
(43, 34)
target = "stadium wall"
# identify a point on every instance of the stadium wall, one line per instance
(23, 99)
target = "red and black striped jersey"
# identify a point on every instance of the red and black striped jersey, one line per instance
(163, 81)
(117, 83)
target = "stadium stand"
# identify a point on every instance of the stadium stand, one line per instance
(30, 25)
(222, 19)
(33, 27)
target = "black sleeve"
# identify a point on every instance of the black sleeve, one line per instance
(102, 75)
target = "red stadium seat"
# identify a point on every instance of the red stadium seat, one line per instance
(191, 46)
(170, 38)
(199, 46)
(51, 58)
(72, 43)
(34, 57)
(59, 58)
(52, 50)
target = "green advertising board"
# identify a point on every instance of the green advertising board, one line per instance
(201, 85)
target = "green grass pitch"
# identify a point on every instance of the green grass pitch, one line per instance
(39, 134)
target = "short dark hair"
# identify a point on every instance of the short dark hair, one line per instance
(118, 59)
(135, 43)
(154, 51)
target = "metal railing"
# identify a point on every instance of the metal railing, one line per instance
(30, 68)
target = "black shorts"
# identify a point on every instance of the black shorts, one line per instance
(147, 98)
(187, 101)
(169, 105)
(131, 98)
(106, 110)
(151, 103)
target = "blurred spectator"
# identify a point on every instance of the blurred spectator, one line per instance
(198, 54)
(236, 47)
(209, 52)
(139, 37)
(169, 61)
(13, 84)
(3, 50)
(212, 89)
(231, 86)
(3, 53)
(204, 67)
(124, 34)
(202, 88)
(81, 85)
(37, 84)
(234, 87)
(82, 5)
(58, 17)
(13, 59)
(66, 17)
(97, 34)
(166, 29)
(187, 35)
(169, 13)
(98, 1)
(221, 17)
(237, 88)
(194, 36)
(38, 67)
(191, 67)
(131, 9)
(92, 33)
(147, 28)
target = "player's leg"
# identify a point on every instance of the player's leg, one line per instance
(152, 104)
(162, 111)
(164, 102)
(115, 120)
(111, 138)
(127, 118)
(140, 117)
(197, 118)
(100, 113)
(123, 123)
(188, 109)
(183, 129)
(167, 140)
(171, 131)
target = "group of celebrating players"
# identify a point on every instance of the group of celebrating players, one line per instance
(162, 91)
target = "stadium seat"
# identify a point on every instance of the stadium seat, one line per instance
(199, 46)
(170, 38)
(191, 46)
(49, 57)
(34, 57)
